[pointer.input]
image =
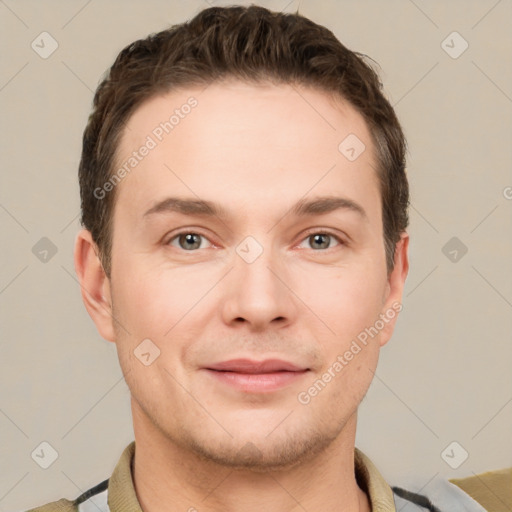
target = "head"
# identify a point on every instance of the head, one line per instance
(251, 116)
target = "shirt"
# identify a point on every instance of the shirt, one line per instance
(117, 494)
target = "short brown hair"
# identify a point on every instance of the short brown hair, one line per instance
(252, 44)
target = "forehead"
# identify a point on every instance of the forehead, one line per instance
(247, 143)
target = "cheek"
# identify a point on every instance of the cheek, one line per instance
(137, 304)
(355, 377)
(346, 300)
(169, 306)
(154, 300)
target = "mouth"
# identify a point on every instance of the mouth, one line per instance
(256, 376)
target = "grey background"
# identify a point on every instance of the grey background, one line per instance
(445, 376)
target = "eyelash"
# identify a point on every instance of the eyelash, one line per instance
(306, 236)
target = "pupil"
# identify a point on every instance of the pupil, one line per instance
(318, 238)
(189, 239)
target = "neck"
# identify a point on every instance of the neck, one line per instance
(174, 478)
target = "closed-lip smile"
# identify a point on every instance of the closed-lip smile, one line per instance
(251, 366)
(253, 376)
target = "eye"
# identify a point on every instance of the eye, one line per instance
(187, 240)
(322, 240)
(191, 240)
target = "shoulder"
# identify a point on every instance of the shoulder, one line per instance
(479, 493)
(56, 506)
(493, 489)
(81, 504)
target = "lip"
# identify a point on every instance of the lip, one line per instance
(252, 376)
(251, 366)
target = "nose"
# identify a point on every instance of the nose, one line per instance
(258, 292)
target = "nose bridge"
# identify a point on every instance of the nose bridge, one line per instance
(255, 264)
(257, 293)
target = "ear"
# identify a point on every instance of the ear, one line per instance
(94, 284)
(392, 304)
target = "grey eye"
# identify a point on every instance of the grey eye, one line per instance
(187, 241)
(321, 240)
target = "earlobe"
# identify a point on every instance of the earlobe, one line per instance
(395, 287)
(94, 284)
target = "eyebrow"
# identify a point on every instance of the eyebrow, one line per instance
(302, 208)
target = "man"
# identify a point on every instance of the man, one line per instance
(244, 200)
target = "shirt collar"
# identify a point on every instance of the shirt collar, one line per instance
(121, 492)
(372, 482)
(122, 496)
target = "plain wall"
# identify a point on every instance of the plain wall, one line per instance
(446, 374)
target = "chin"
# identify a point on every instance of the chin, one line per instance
(262, 452)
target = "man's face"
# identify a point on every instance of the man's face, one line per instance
(257, 281)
